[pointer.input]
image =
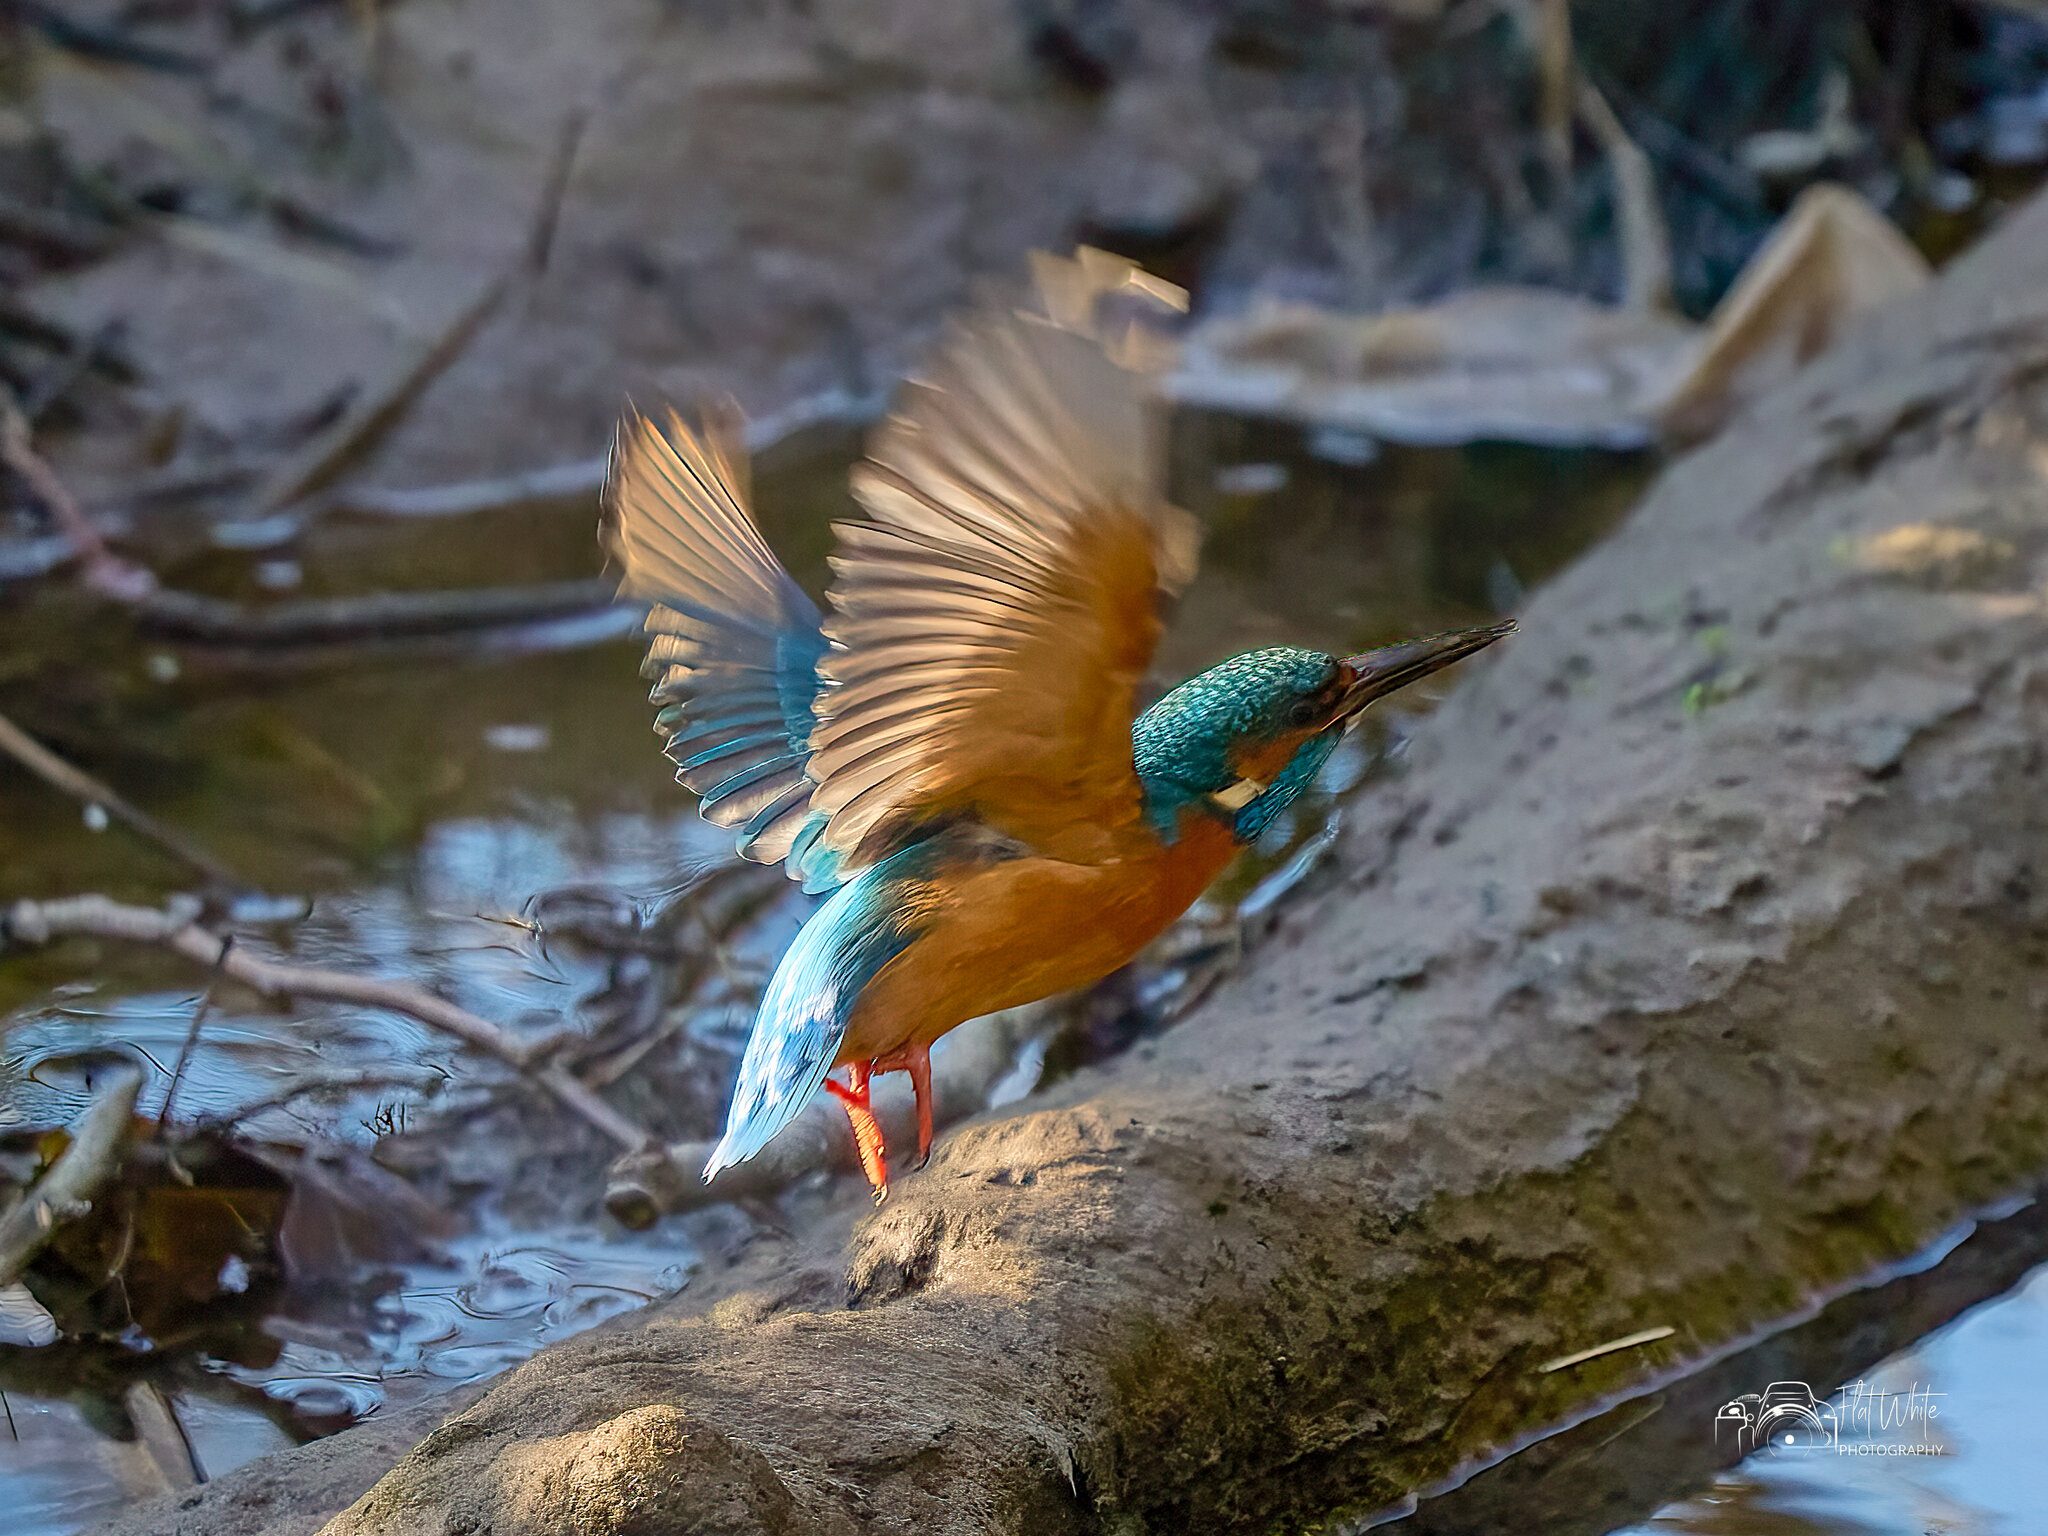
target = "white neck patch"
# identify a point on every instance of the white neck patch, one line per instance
(1236, 797)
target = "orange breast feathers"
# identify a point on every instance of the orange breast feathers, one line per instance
(1013, 932)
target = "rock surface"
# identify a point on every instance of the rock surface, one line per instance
(1694, 968)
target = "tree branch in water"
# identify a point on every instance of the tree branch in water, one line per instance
(176, 929)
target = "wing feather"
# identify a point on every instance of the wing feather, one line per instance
(993, 615)
(733, 641)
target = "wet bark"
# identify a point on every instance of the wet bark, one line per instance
(1693, 968)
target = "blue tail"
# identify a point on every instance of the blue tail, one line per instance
(810, 999)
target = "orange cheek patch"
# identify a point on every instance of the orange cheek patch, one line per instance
(1263, 760)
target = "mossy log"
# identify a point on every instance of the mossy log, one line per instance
(1693, 968)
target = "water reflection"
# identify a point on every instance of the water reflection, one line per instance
(1972, 1327)
(1989, 1477)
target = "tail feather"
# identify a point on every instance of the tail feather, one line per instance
(810, 1001)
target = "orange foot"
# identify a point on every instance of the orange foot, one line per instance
(867, 1131)
(917, 1061)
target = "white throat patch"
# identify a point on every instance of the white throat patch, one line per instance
(1236, 797)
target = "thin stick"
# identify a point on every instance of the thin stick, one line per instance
(1555, 69)
(83, 1169)
(580, 480)
(364, 424)
(199, 1013)
(361, 427)
(540, 240)
(335, 1080)
(105, 571)
(39, 922)
(1645, 241)
(82, 786)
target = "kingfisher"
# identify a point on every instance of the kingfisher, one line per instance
(954, 758)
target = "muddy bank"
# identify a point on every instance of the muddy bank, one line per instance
(1691, 970)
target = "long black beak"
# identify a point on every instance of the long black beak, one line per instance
(1375, 674)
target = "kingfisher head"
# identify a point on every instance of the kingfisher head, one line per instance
(1243, 739)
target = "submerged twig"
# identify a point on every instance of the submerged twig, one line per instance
(40, 922)
(75, 1179)
(83, 787)
(333, 1081)
(163, 1435)
(376, 616)
(550, 485)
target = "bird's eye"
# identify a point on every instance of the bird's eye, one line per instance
(1303, 713)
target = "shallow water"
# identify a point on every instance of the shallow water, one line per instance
(1927, 1426)
(412, 800)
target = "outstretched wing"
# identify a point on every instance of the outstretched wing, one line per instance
(735, 642)
(994, 615)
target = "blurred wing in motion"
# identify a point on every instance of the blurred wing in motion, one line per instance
(735, 642)
(994, 614)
